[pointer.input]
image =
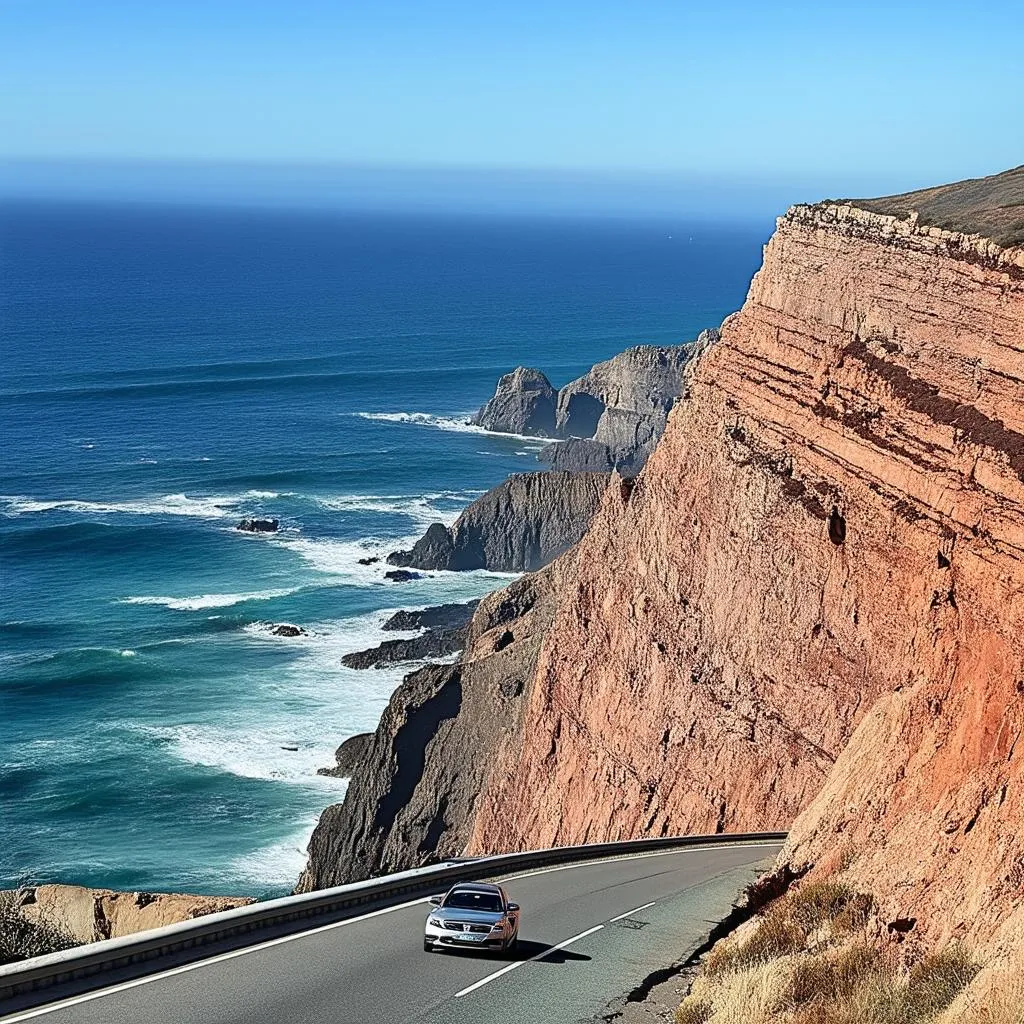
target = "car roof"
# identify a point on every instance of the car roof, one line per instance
(476, 887)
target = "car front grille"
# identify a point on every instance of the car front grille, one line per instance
(465, 926)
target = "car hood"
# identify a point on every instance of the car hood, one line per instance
(473, 916)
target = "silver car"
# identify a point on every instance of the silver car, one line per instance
(472, 915)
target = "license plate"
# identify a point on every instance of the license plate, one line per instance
(470, 938)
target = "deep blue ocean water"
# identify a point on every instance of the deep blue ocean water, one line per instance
(167, 371)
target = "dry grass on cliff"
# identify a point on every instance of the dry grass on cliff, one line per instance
(808, 959)
(21, 939)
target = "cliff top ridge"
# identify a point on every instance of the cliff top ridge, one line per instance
(992, 206)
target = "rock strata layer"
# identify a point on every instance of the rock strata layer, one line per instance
(517, 526)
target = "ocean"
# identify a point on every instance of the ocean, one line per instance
(170, 370)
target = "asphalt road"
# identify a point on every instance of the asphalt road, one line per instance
(589, 934)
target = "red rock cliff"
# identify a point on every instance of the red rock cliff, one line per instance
(811, 602)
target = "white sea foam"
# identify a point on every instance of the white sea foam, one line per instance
(455, 424)
(194, 604)
(280, 863)
(127, 654)
(214, 507)
(423, 509)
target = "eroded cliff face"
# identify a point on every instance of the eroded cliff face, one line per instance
(827, 543)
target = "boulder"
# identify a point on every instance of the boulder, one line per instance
(287, 629)
(523, 403)
(402, 576)
(370, 560)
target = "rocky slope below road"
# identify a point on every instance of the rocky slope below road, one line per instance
(809, 605)
(89, 915)
(517, 526)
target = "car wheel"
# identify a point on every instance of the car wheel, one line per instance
(513, 944)
(428, 946)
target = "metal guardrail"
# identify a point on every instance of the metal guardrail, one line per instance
(339, 902)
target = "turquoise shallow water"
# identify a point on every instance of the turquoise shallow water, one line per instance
(167, 371)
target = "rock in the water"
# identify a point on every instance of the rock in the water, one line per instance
(441, 616)
(287, 629)
(434, 643)
(518, 526)
(524, 403)
(258, 525)
(348, 755)
(402, 575)
(371, 560)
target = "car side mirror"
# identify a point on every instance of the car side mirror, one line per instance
(435, 901)
(512, 907)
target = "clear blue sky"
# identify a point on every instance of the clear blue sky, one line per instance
(829, 94)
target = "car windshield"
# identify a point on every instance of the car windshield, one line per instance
(466, 899)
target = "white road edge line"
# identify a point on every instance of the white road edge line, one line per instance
(635, 910)
(86, 997)
(519, 963)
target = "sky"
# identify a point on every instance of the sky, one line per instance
(836, 98)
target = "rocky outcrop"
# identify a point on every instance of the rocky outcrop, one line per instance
(440, 616)
(622, 404)
(516, 527)
(411, 797)
(809, 605)
(433, 643)
(610, 418)
(89, 915)
(524, 403)
(348, 755)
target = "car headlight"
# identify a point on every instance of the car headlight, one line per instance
(434, 922)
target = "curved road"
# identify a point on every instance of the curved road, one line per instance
(590, 933)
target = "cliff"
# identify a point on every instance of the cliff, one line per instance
(828, 544)
(809, 605)
(517, 526)
(610, 418)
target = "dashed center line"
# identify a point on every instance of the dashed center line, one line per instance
(519, 963)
